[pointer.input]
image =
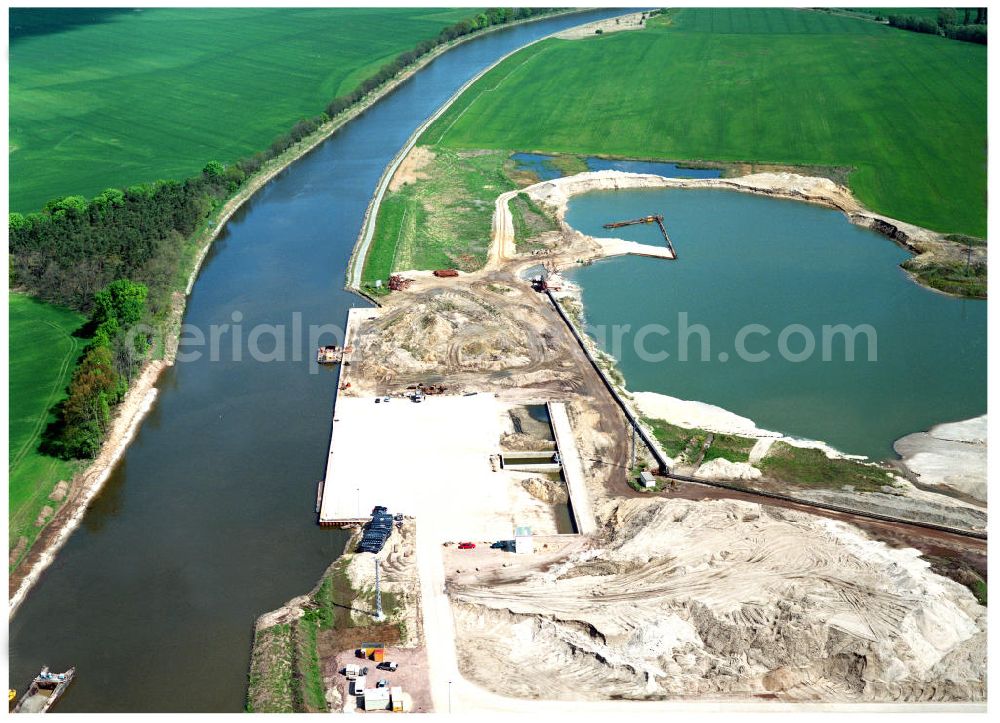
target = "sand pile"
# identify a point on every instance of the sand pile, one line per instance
(725, 598)
(949, 455)
(445, 329)
(522, 442)
(546, 490)
(723, 469)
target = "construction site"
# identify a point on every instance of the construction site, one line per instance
(538, 574)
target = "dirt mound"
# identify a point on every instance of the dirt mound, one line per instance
(59, 493)
(726, 597)
(523, 442)
(44, 514)
(446, 328)
(546, 490)
(411, 169)
(464, 335)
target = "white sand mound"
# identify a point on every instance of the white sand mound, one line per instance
(686, 413)
(949, 455)
(726, 597)
(723, 469)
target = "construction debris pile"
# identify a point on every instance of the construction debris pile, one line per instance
(398, 282)
(725, 598)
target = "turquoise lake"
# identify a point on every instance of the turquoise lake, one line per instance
(745, 259)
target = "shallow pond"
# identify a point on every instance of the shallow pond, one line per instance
(792, 268)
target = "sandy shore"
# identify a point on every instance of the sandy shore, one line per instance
(632, 21)
(949, 455)
(128, 416)
(686, 413)
(811, 189)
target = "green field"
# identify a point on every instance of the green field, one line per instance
(43, 353)
(139, 95)
(907, 111)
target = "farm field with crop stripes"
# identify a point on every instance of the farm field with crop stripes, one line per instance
(137, 95)
(906, 111)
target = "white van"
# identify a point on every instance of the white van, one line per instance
(359, 685)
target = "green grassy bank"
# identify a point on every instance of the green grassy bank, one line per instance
(287, 658)
(906, 111)
(43, 354)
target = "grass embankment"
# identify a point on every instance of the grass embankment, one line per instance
(43, 354)
(440, 221)
(214, 83)
(444, 217)
(907, 111)
(812, 468)
(784, 463)
(286, 665)
(688, 443)
(951, 277)
(530, 222)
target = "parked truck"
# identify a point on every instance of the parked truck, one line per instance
(359, 685)
(353, 670)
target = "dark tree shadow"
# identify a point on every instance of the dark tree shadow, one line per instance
(30, 22)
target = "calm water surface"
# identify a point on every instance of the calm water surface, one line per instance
(541, 165)
(208, 521)
(751, 260)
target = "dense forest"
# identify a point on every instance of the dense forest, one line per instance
(74, 248)
(117, 256)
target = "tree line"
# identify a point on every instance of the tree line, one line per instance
(970, 27)
(485, 19)
(73, 248)
(104, 372)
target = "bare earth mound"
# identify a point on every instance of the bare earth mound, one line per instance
(467, 337)
(725, 598)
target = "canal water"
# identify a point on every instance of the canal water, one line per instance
(747, 260)
(209, 519)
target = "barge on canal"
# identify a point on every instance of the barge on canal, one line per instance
(331, 354)
(44, 691)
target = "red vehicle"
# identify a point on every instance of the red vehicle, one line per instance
(466, 545)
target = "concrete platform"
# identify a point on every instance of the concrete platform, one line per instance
(583, 513)
(429, 459)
